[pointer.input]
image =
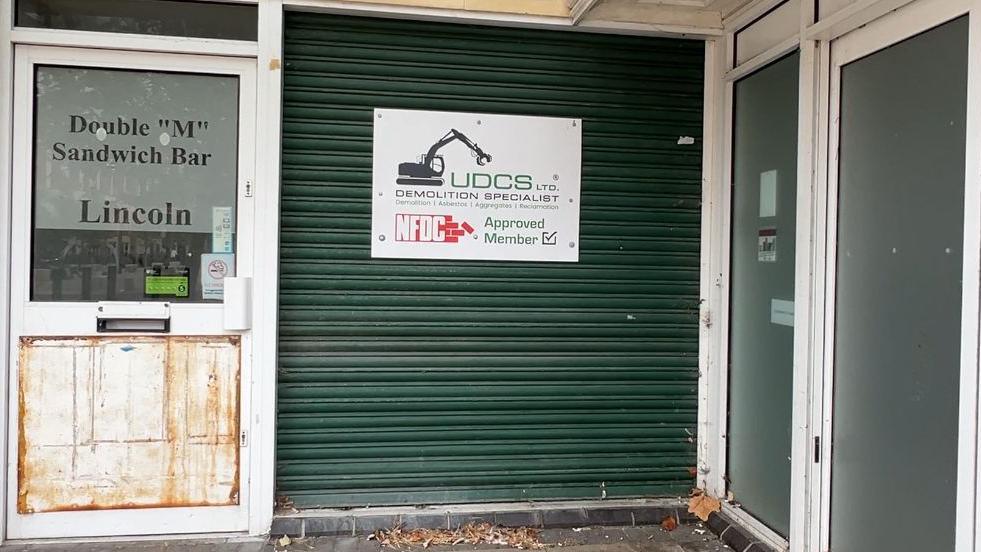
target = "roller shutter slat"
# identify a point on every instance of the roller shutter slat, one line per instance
(407, 381)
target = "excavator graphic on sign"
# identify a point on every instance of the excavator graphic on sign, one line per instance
(429, 170)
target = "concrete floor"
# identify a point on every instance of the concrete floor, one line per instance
(686, 538)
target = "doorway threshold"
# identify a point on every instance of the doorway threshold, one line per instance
(734, 535)
(543, 515)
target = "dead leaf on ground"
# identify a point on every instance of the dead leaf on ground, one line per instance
(284, 541)
(669, 523)
(285, 504)
(522, 538)
(702, 505)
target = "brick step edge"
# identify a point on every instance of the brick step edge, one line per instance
(542, 518)
(734, 535)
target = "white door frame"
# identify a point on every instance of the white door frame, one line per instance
(881, 33)
(758, 528)
(721, 76)
(77, 318)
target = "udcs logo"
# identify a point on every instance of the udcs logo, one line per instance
(430, 228)
(429, 170)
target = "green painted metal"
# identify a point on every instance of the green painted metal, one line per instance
(414, 382)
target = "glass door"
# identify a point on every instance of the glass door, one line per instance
(895, 262)
(130, 216)
(761, 326)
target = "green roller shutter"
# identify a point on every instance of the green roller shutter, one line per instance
(406, 381)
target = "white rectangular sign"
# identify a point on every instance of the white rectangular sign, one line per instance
(475, 186)
(781, 312)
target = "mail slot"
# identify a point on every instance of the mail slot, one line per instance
(144, 317)
(110, 325)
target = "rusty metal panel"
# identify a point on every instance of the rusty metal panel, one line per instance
(128, 422)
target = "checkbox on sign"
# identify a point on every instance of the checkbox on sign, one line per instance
(549, 238)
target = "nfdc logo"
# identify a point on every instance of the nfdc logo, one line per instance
(430, 228)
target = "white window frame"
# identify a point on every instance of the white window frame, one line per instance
(265, 310)
(130, 41)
